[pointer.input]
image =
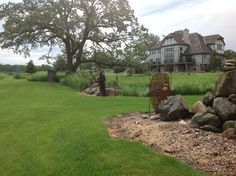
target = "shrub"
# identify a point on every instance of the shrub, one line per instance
(22, 75)
(118, 69)
(39, 76)
(75, 81)
(130, 71)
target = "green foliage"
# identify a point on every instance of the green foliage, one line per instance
(22, 75)
(30, 67)
(230, 54)
(130, 71)
(11, 68)
(69, 25)
(44, 67)
(137, 85)
(3, 75)
(49, 129)
(119, 69)
(43, 76)
(215, 61)
(60, 63)
(76, 81)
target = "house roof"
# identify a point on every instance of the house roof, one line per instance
(197, 45)
(211, 39)
(178, 37)
(157, 45)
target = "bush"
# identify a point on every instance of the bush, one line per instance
(75, 81)
(22, 75)
(130, 71)
(43, 76)
(39, 76)
(118, 69)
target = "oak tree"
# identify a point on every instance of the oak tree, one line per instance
(75, 26)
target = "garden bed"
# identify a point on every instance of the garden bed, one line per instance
(204, 150)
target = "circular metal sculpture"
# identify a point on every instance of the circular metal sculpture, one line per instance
(159, 89)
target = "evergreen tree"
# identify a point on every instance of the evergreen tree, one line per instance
(30, 67)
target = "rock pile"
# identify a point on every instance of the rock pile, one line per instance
(95, 91)
(217, 112)
(173, 108)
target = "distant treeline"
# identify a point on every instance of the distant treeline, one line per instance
(21, 68)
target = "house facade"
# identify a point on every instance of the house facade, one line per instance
(184, 51)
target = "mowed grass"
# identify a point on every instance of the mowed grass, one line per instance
(50, 129)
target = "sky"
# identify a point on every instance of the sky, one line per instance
(162, 17)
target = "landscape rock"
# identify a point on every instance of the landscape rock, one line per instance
(211, 128)
(232, 98)
(226, 84)
(225, 109)
(211, 110)
(155, 117)
(208, 99)
(210, 121)
(229, 124)
(228, 67)
(230, 133)
(199, 107)
(173, 108)
(94, 90)
(145, 116)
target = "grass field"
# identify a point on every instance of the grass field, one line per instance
(137, 85)
(51, 130)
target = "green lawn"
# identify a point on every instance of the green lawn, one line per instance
(50, 129)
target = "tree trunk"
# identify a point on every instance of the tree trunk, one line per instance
(102, 83)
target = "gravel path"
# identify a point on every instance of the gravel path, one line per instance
(202, 149)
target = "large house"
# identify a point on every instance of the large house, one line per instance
(184, 51)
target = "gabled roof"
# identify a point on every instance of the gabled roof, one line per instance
(211, 39)
(177, 36)
(197, 45)
(157, 45)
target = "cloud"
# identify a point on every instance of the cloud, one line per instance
(203, 16)
(166, 6)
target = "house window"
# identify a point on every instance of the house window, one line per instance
(219, 47)
(153, 52)
(169, 55)
(158, 61)
(180, 49)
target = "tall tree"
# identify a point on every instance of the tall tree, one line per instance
(73, 25)
(30, 67)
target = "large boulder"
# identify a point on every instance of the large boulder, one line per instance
(229, 133)
(199, 107)
(226, 84)
(225, 109)
(173, 108)
(229, 124)
(232, 98)
(208, 99)
(206, 121)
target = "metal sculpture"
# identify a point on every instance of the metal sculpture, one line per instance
(159, 89)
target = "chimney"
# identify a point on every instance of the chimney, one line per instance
(186, 36)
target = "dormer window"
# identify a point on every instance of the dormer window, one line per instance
(153, 52)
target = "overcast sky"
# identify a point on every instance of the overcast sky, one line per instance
(164, 16)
